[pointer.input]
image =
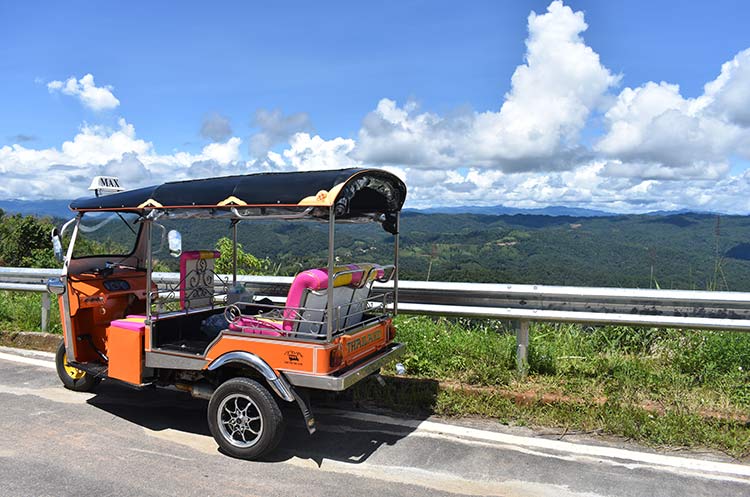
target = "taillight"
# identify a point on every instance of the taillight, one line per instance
(337, 357)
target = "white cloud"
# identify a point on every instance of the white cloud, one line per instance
(307, 153)
(668, 136)
(729, 94)
(66, 171)
(275, 128)
(658, 150)
(223, 153)
(92, 96)
(655, 132)
(551, 98)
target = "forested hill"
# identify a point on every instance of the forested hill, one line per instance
(689, 251)
(683, 251)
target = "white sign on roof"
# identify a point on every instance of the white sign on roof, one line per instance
(106, 184)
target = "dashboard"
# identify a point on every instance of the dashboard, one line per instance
(116, 285)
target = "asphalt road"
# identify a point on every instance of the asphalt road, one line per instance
(119, 441)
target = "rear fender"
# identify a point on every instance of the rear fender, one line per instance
(278, 383)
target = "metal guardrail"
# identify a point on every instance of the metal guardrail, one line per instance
(523, 303)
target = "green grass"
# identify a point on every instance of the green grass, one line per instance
(22, 311)
(662, 387)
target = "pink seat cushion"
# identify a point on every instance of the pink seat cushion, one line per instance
(316, 280)
(129, 323)
(248, 324)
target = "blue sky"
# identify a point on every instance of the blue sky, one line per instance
(322, 69)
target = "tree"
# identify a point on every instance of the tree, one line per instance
(246, 263)
(25, 241)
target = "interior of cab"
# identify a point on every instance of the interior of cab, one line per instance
(203, 315)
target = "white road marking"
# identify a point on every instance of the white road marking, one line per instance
(202, 443)
(160, 454)
(27, 360)
(431, 427)
(438, 480)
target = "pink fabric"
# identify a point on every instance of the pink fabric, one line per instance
(312, 279)
(247, 324)
(129, 325)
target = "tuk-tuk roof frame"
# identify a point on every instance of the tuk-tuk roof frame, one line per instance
(353, 194)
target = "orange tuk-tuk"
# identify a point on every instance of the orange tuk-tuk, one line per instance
(198, 333)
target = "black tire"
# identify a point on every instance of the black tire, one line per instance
(80, 381)
(245, 419)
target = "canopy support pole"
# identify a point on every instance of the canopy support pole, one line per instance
(331, 261)
(395, 263)
(149, 263)
(234, 252)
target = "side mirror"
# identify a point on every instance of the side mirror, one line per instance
(57, 245)
(175, 243)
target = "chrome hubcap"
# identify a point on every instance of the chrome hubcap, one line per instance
(240, 422)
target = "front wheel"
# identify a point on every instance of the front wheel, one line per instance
(73, 378)
(245, 419)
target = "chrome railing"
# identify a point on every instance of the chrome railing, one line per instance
(693, 309)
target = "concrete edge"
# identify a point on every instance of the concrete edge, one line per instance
(33, 340)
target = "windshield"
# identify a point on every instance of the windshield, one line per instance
(107, 233)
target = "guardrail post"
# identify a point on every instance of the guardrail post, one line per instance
(522, 347)
(45, 311)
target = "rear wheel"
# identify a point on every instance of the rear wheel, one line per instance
(73, 378)
(245, 419)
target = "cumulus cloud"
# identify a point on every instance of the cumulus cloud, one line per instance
(216, 127)
(654, 132)
(657, 149)
(307, 153)
(275, 128)
(729, 94)
(92, 96)
(66, 171)
(223, 153)
(551, 97)
(665, 135)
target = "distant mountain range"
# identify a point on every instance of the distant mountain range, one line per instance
(52, 208)
(59, 208)
(501, 210)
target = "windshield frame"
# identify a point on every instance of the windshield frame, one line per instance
(82, 234)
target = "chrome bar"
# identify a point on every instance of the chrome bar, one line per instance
(636, 307)
(234, 252)
(297, 215)
(149, 263)
(395, 263)
(331, 261)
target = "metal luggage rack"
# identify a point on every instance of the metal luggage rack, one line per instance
(310, 323)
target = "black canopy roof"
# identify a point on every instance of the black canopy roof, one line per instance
(350, 192)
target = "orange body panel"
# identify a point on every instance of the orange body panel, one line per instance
(306, 357)
(125, 352)
(92, 308)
